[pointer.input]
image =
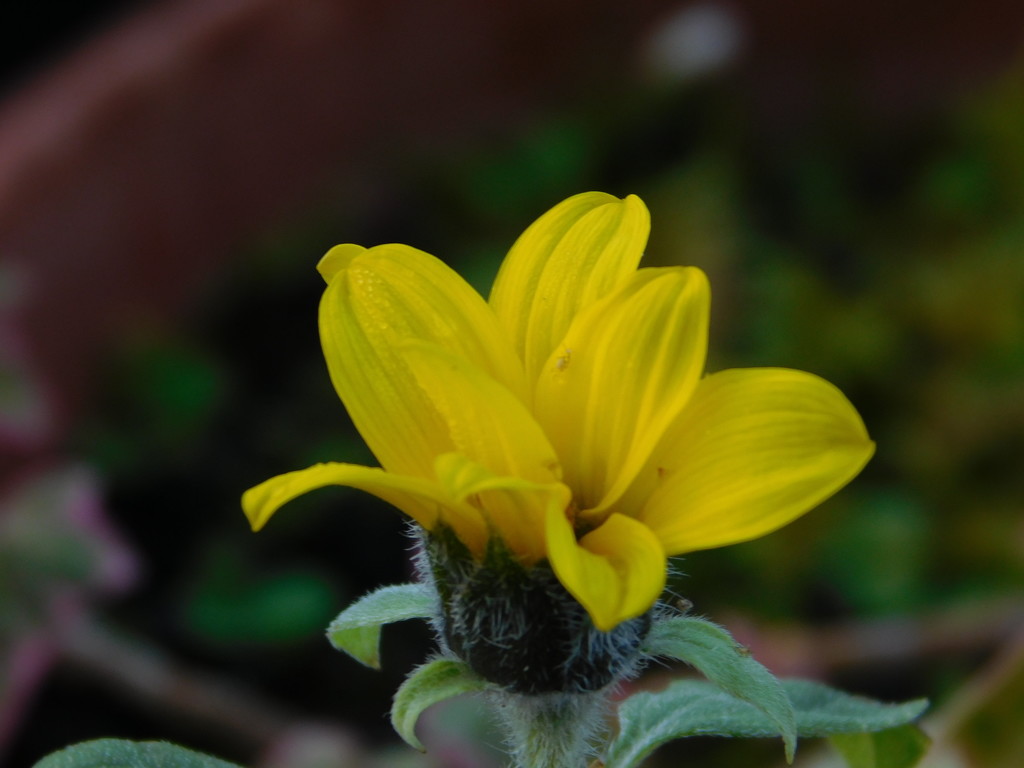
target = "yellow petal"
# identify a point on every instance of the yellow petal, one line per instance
(579, 251)
(484, 420)
(625, 370)
(616, 571)
(423, 500)
(378, 298)
(754, 449)
(514, 508)
(337, 259)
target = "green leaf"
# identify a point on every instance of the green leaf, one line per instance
(685, 708)
(698, 708)
(824, 711)
(900, 747)
(118, 753)
(356, 630)
(728, 665)
(433, 682)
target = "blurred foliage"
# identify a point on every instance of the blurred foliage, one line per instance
(900, 747)
(982, 724)
(232, 606)
(56, 551)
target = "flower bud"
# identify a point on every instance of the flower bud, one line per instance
(519, 628)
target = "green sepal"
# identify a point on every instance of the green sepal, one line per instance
(435, 681)
(900, 747)
(698, 708)
(119, 753)
(727, 664)
(356, 630)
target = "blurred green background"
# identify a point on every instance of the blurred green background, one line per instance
(860, 217)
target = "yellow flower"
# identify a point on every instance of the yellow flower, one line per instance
(569, 414)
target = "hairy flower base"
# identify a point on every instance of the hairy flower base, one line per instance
(554, 730)
(519, 628)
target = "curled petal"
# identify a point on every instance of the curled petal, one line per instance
(514, 508)
(616, 571)
(754, 449)
(423, 500)
(576, 253)
(626, 368)
(379, 298)
(337, 259)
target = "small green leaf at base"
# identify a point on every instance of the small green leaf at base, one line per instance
(698, 708)
(356, 630)
(900, 747)
(118, 753)
(727, 664)
(433, 682)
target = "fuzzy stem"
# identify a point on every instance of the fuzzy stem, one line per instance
(553, 730)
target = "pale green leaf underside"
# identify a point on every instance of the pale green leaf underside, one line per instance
(727, 664)
(356, 630)
(699, 708)
(900, 747)
(433, 682)
(118, 753)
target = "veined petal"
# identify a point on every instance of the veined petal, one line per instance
(624, 371)
(576, 253)
(424, 501)
(514, 508)
(616, 571)
(484, 420)
(378, 298)
(754, 449)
